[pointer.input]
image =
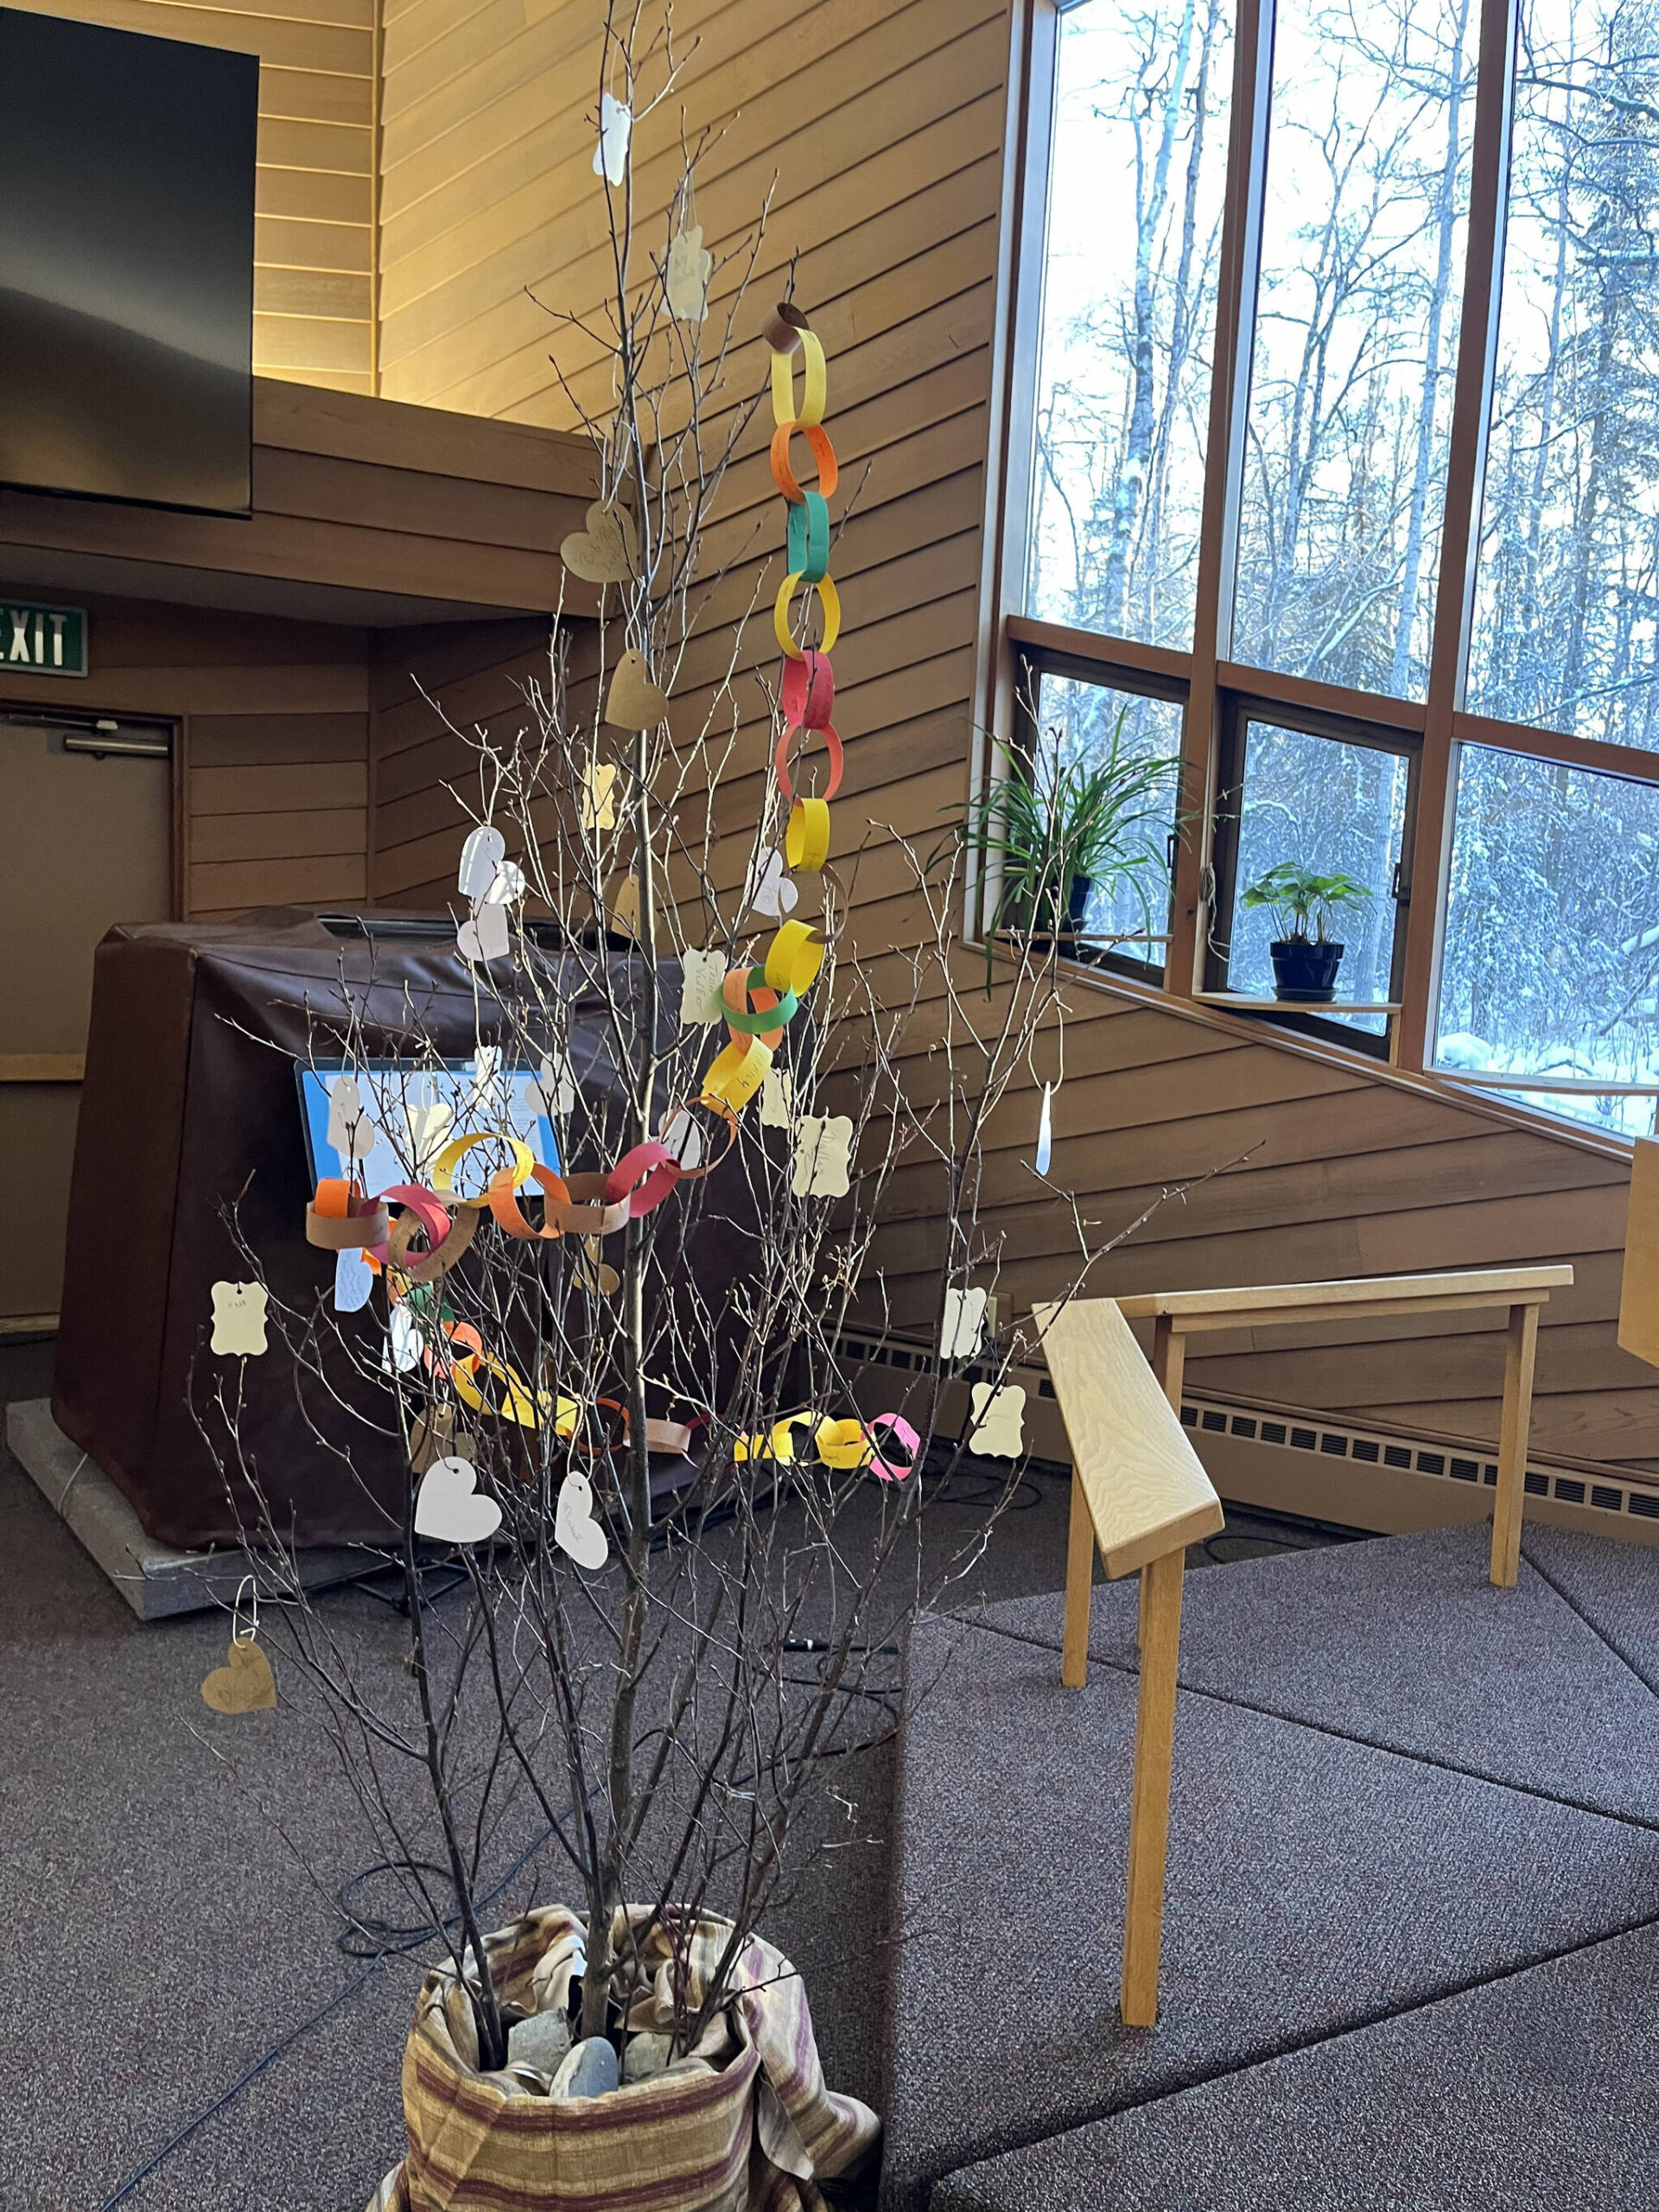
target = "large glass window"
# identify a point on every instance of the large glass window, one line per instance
(1431, 301)
(1136, 171)
(1362, 239)
(1568, 610)
(1334, 814)
(1551, 965)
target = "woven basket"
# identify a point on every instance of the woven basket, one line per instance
(744, 2123)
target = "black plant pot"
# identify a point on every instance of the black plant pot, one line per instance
(1303, 971)
(1077, 908)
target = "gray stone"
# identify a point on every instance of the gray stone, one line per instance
(589, 2070)
(541, 2041)
(646, 2054)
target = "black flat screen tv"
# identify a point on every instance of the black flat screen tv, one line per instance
(126, 264)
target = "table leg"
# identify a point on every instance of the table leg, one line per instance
(1169, 1365)
(1508, 1505)
(1079, 1576)
(1155, 1745)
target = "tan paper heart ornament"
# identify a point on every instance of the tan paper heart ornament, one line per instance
(634, 702)
(607, 551)
(245, 1683)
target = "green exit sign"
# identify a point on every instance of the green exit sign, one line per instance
(41, 640)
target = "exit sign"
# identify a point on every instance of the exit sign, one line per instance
(42, 641)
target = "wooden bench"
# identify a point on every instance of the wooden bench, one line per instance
(1138, 1491)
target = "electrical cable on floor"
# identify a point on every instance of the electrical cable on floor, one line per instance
(278, 2050)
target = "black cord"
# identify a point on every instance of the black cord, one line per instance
(395, 1946)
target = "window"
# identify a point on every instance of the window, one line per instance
(1133, 743)
(1567, 612)
(1334, 808)
(1357, 319)
(1337, 375)
(1552, 960)
(1129, 314)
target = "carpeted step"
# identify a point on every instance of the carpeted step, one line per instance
(1535, 2093)
(1403, 1641)
(1614, 1586)
(1315, 1883)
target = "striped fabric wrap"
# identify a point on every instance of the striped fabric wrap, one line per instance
(742, 2124)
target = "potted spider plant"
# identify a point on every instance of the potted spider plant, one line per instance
(1048, 832)
(1306, 957)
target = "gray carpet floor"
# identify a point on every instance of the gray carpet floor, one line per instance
(1400, 1797)
(169, 1880)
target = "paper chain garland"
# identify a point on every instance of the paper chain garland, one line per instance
(757, 1003)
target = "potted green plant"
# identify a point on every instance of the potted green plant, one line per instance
(1306, 957)
(1046, 833)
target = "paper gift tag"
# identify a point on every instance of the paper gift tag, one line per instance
(480, 856)
(575, 1528)
(822, 1144)
(616, 125)
(774, 1099)
(625, 907)
(238, 1318)
(245, 1683)
(1045, 1132)
(688, 271)
(450, 1507)
(599, 796)
(701, 974)
(998, 1432)
(964, 1323)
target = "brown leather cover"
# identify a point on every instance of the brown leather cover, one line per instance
(189, 1103)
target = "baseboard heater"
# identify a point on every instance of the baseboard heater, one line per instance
(1289, 1460)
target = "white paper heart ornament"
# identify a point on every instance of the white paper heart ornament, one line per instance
(485, 937)
(574, 1529)
(770, 891)
(405, 1344)
(480, 856)
(615, 125)
(506, 884)
(238, 1318)
(353, 1282)
(351, 1132)
(450, 1507)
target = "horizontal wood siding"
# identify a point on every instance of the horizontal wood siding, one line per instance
(271, 767)
(313, 296)
(883, 126)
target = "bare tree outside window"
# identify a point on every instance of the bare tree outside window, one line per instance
(1138, 165)
(1567, 609)
(1356, 341)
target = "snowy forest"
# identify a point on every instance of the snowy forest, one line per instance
(1553, 933)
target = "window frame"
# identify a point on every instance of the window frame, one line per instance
(1217, 690)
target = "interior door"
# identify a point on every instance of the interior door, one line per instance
(88, 842)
